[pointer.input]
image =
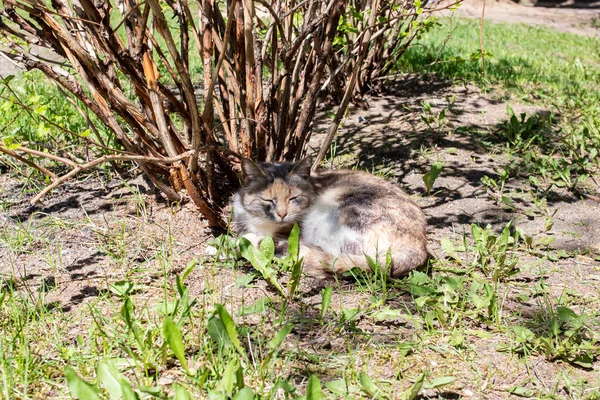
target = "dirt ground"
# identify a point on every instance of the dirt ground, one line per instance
(76, 240)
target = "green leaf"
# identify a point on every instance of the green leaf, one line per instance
(260, 263)
(521, 391)
(124, 288)
(430, 177)
(115, 383)
(388, 314)
(230, 328)
(189, 269)
(294, 242)
(338, 387)
(275, 343)
(368, 386)
(217, 331)
(280, 337)
(2, 298)
(244, 394)
(566, 315)
(294, 250)
(80, 388)
(181, 393)
(152, 390)
(313, 388)
(325, 300)
(172, 335)
(267, 248)
(584, 361)
(8, 78)
(523, 334)
(228, 378)
(414, 390)
(244, 280)
(258, 307)
(439, 382)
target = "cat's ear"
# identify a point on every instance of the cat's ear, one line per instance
(251, 170)
(302, 168)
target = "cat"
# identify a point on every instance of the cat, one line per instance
(343, 215)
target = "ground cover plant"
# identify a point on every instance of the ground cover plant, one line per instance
(108, 292)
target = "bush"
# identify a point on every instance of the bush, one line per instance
(261, 68)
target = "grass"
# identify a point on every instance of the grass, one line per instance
(556, 71)
(118, 304)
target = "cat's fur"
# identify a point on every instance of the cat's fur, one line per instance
(343, 216)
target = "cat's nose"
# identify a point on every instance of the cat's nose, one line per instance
(282, 214)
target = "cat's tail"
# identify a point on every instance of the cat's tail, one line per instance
(320, 264)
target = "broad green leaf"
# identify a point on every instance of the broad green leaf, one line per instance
(244, 280)
(338, 387)
(181, 393)
(449, 249)
(230, 328)
(267, 248)
(276, 342)
(523, 334)
(172, 335)
(294, 242)
(109, 377)
(521, 391)
(388, 314)
(124, 288)
(115, 383)
(228, 378)
(189, 269)
(313, 388)
(584, 361)
(368, 386)
(294, 250)
(80, 388)
(430, 177)
(414, 390)
(244, 394)
(258, 307)
(217, 331)
(152, 390)
(566, 314)
(280, 337)
(325, 300)
(439, 382)
(260, 263)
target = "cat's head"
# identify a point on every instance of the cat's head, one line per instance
(279, 192)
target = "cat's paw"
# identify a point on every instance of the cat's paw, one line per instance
(213, 252)
(253, 238)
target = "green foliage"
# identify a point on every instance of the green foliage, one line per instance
(560, 334)
(430, 177)
(554, 70)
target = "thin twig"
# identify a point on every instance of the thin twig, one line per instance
(103, 159)
(31, 164)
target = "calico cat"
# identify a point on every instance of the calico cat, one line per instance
(343, 215)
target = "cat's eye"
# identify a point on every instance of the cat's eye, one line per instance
(295, 199)
(272, 201)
